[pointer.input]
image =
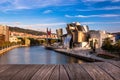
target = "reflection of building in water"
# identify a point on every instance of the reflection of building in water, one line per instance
(72, 60)
(27, 55)
(75, 60)
(79, 61)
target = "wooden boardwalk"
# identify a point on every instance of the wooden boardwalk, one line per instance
(85, 71)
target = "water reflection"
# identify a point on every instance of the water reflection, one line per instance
(36, 55)
(27, 56)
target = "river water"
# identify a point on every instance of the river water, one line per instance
(36, 55)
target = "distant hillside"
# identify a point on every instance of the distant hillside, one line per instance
(118, 33)
(16, 29)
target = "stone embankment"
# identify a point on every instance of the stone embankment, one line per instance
(83, 54)
(3, 51)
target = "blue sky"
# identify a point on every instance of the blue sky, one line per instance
(39, 14)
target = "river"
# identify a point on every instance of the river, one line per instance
(36, 55)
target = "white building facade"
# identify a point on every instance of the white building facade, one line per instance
(100, 36)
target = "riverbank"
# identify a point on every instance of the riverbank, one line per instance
(3, 51)
(83, 54)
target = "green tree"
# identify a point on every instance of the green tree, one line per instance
(91, 44)
(116, 48)
(107, 44)
(22, 41)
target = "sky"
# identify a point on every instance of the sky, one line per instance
(54, 14)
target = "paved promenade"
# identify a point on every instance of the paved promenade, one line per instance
(81, 53)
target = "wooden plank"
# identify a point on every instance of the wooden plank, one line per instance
(49, 72)
(116, 63)
(63, 73)
(81, 74)
(10, 72)
(3, 68)
(55, 73)
(86, 71)
(112, 70)
(26, 73)
(76, 72)
(43, 73)
(69, 68)
(95, 72)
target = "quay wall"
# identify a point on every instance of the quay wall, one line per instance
(3, 51)
(85, 55)
(89, 59)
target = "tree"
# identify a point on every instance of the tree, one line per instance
(107, 44)
(22, 41)
(117, 47)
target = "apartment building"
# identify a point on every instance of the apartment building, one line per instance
(4, 30)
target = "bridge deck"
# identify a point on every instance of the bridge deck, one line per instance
(85, 71)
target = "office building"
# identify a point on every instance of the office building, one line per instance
(59, 33)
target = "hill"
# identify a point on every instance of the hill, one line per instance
(116, 33)
(33, 32)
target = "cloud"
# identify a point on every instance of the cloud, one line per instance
(100, 22)
(53, 26)
(68, 16)
(107, 26)
(105, 8)
(97, 1)
(38, 25)
(47, 12)
(9, 5)
(88, 16)
(10, 23)
(115, 0)
(31, 4)
(94, 0)
(3, 1)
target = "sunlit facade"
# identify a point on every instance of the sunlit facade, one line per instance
(4, 30)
